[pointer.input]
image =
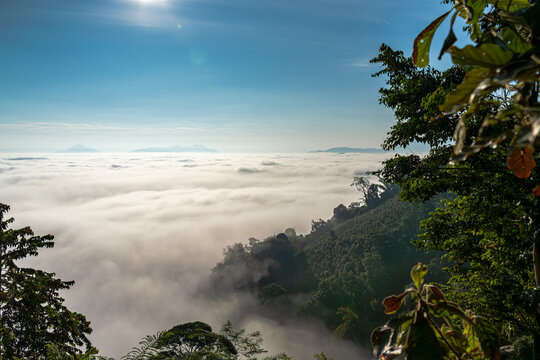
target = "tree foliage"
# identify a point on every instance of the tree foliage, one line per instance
(350, 261)
(486, 226)
(32, 314)
(505, 55)
(196, 341)
(54, 352)
(490, 109)
(147, 348)
(360, 261)
(193, 341)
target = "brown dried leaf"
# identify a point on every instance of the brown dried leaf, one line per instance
(521, 162)
(435, 294)
(536, 190)
(393, 303)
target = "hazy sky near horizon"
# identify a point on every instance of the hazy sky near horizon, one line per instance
(234, 75)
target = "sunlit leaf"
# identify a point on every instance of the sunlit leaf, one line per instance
(417, 274)
(422, 43)
(469, 331)
(521, 162)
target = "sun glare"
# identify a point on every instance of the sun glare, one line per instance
(151, 2)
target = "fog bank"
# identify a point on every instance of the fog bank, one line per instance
(139, 233)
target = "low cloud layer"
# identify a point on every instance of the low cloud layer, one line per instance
(139, 233)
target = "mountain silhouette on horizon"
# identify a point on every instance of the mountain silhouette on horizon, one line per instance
(78, 148)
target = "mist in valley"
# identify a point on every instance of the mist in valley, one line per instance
(140, 233)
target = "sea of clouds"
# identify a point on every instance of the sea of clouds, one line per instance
(139, 233)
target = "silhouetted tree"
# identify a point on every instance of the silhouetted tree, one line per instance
(32, 314)
(197, 341)
(194, 340)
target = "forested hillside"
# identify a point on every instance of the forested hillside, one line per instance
(341, 270)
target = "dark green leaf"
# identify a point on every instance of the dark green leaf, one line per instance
(509, 5)
(454, 309)
(513, 41)
(532, 17)
(455, 338)
(476, 10)
(485, 55)
(528, 17)
(465, 91)
(401, 321)
(381, 338)
(448, 42)
(380, 335)
(488, 337)
(422, 343)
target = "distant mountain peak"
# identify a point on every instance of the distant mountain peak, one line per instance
(78, 148)
(178, 148)
(350, 150)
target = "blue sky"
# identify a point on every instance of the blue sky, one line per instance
(234, 75)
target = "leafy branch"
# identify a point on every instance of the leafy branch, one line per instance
(435, 328)
(505, 55)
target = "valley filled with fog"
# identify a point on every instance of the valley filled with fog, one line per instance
(139, 233)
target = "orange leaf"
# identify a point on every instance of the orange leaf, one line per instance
(393, 303)
(536, 190)
(521, 162)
